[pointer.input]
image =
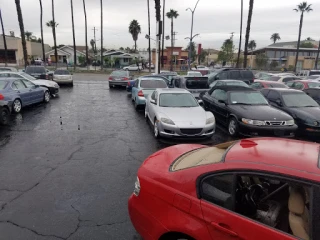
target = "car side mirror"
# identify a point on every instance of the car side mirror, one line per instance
(36, 86)
(153, 101)
(200, 102)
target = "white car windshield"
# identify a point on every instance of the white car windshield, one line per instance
(177, 100)
(194, 74)
(27, 76)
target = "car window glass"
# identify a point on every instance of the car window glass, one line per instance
(153, 84)
(153, 95)
(219, 83)
(156, 97)
(268, 200)
(177, 82)
(5, 75)
(290, 84)
(218, 190)
(223, 75)
(19, 84)
(247, 75)
(234, 75)
(3, 84)
(136, 84)
(298, 99)
(314, 84)
(265, 92)
(256, 85)
(287, 79)
(273, 95)
(219, 94)
(28, 83)
(298, 85)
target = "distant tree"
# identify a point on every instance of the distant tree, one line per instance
(275, 37)
(81, 59)
(252, 45)
(93, 45)
(309, 39)
(121, 48)
(135, 30)
(39, 40)
(171, 15)
(261, 60)
(302, 8)
(203, 55)
(193, 51)
(306, 45)
(51, 24)
(28, 35)
(226, 53)
(274, 64)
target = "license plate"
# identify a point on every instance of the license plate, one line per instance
(279, 132)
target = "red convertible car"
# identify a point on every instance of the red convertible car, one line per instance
(262, 188)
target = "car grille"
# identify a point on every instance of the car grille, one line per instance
(275, 123)
(190, 131)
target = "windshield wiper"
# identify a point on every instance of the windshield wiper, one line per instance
(243, 104)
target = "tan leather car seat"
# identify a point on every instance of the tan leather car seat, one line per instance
(298, 214)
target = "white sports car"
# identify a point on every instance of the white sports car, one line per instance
(176, 113)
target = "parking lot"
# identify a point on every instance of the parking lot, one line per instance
(67, 168)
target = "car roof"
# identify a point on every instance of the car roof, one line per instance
(172, 90)
(306, 81)
(303, 156)
(229, 80)
(229, 88)
(284, 90)
(263, 81)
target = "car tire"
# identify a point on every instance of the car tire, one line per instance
(146, 115)
(4, 116)
(136, 106)
(110, 86)
(16, 106)
(71, 84)
(233, 127)
(156, 133)
(46, 97)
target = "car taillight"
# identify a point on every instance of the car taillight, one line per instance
(140, 93)
(110, 78)
(125, 79)
(47, 76)
(1, 97)
(129, 84)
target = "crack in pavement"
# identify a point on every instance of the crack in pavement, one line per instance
(31, 230)
(35, 185)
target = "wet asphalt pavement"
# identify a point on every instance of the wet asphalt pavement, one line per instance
(68, 168)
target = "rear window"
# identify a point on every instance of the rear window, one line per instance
(5, 70)
(153, 84)
(247, 75)
(35, 70)
(197, 84)
(274, 79)
(119, 74)
(61, 72)
(314, 73)
(314, 84)
(276, 85)
(201, 156)
(3, 84)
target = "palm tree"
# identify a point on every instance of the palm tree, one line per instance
(28, 35)
(309, 39)
(275, 37)
(302, 7)
(54, 25)
(171, 15)
(149, 40)
(74, 38)
(134, 30)
(51, 24)
(252, 45)
(240, 39)
(162, 48)
(101, 40)
(158, 19)
(248, 34)
(41, 27)
(86, 31)
(93, 43)
(4, 41)
(23, 39)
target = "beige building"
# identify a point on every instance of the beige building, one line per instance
(213, 56)
(15, 52)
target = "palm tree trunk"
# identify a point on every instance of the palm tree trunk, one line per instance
(298, 45)
(41, 28)
(317, 58)
(23, 38)
(74, 38)
(240, 40)
(149, 32)
(54, 35)
(171, 62)
(248, 34)
(4, 42)
(86, 32)
(135, 46)
(101, 51)
(162, 51)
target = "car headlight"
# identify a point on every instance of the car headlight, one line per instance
(137, 187)
(167, 121)
(253, 122)
(289, 123)
(312, 122)
(211, 120)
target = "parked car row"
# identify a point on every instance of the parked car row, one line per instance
(19, 89)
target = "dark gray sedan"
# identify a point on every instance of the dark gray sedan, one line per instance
(119, 78)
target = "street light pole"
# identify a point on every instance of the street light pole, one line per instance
(191, 37)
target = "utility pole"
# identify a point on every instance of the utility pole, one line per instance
(159, 31)
(101, 50)
(317, 58)
(240, 40)
(174, 38)
(191, 36)
(162, 51)
(4, 41)
(95, 47)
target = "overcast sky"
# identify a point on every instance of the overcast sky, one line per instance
(213, 20)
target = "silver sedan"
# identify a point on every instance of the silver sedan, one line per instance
(176, 113)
